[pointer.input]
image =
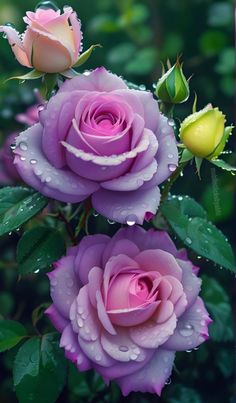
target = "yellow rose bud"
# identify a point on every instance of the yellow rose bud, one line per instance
(203, 133)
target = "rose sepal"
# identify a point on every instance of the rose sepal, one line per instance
(86, 55)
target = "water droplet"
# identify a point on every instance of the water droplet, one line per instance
(33, 161)
(80, 310)
(110, 221)
(188, 351)
(168, 381)
(95, 214)
(13, 146)
(48, 179)
(36, 271)
(133, 356)
(188, 241)
(80, 322)
(23, 146)
(186, 330)
(98, 357)
(171, 122)
(40, 108)
(38, 171)
(131, 220)
(170, 156)
(142, 87)
(22, 158)
(172, 167)
(45, 5)
(124, 348)
(10, 233)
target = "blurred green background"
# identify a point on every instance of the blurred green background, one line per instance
(136, 37)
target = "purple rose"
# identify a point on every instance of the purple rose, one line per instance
(8, 172)
(97, 137)
(125, 304)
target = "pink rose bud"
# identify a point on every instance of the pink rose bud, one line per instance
(51, 42)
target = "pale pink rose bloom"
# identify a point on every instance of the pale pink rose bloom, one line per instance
(51, 42)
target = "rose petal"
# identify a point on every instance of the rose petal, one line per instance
(83, 317)
(132, 316)
(121, 348)
(95, 352)
(191, 283)
(122, 246)
(16, 45)
(95, 280)
(56, 120)
(160, 261)
(37, 172)
(58, 321)
(73, 351)
(164, 311)
(116, 265)
(191, 330)
(146, 157)
(128, 206)
(64, 286)
(151, 334)
(89, 254)
(77, 36)
(152, 377)
(167, 154)
(49, 55)
(151, 110)
(131, 180)
(98, 80)
(102, 314)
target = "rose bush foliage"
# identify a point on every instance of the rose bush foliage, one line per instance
(125, 304)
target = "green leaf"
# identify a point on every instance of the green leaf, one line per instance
(217, 301)
(39, 371)
(198, 162)
(188, 220)
(11, 333)
(223, 165)
(85, 56)
(225, 361)
(32, 75)
(18, 205)
(186, 156)
(6, 303)
(38, 248)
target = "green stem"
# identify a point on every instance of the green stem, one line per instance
(171, 181)
(167, 109)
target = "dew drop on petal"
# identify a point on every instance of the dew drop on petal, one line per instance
(172, 167)
(168, 381)
(23, 146)
(33, 161)
(123, 348)
(186, 330)
(110, 221)
(131, 220)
